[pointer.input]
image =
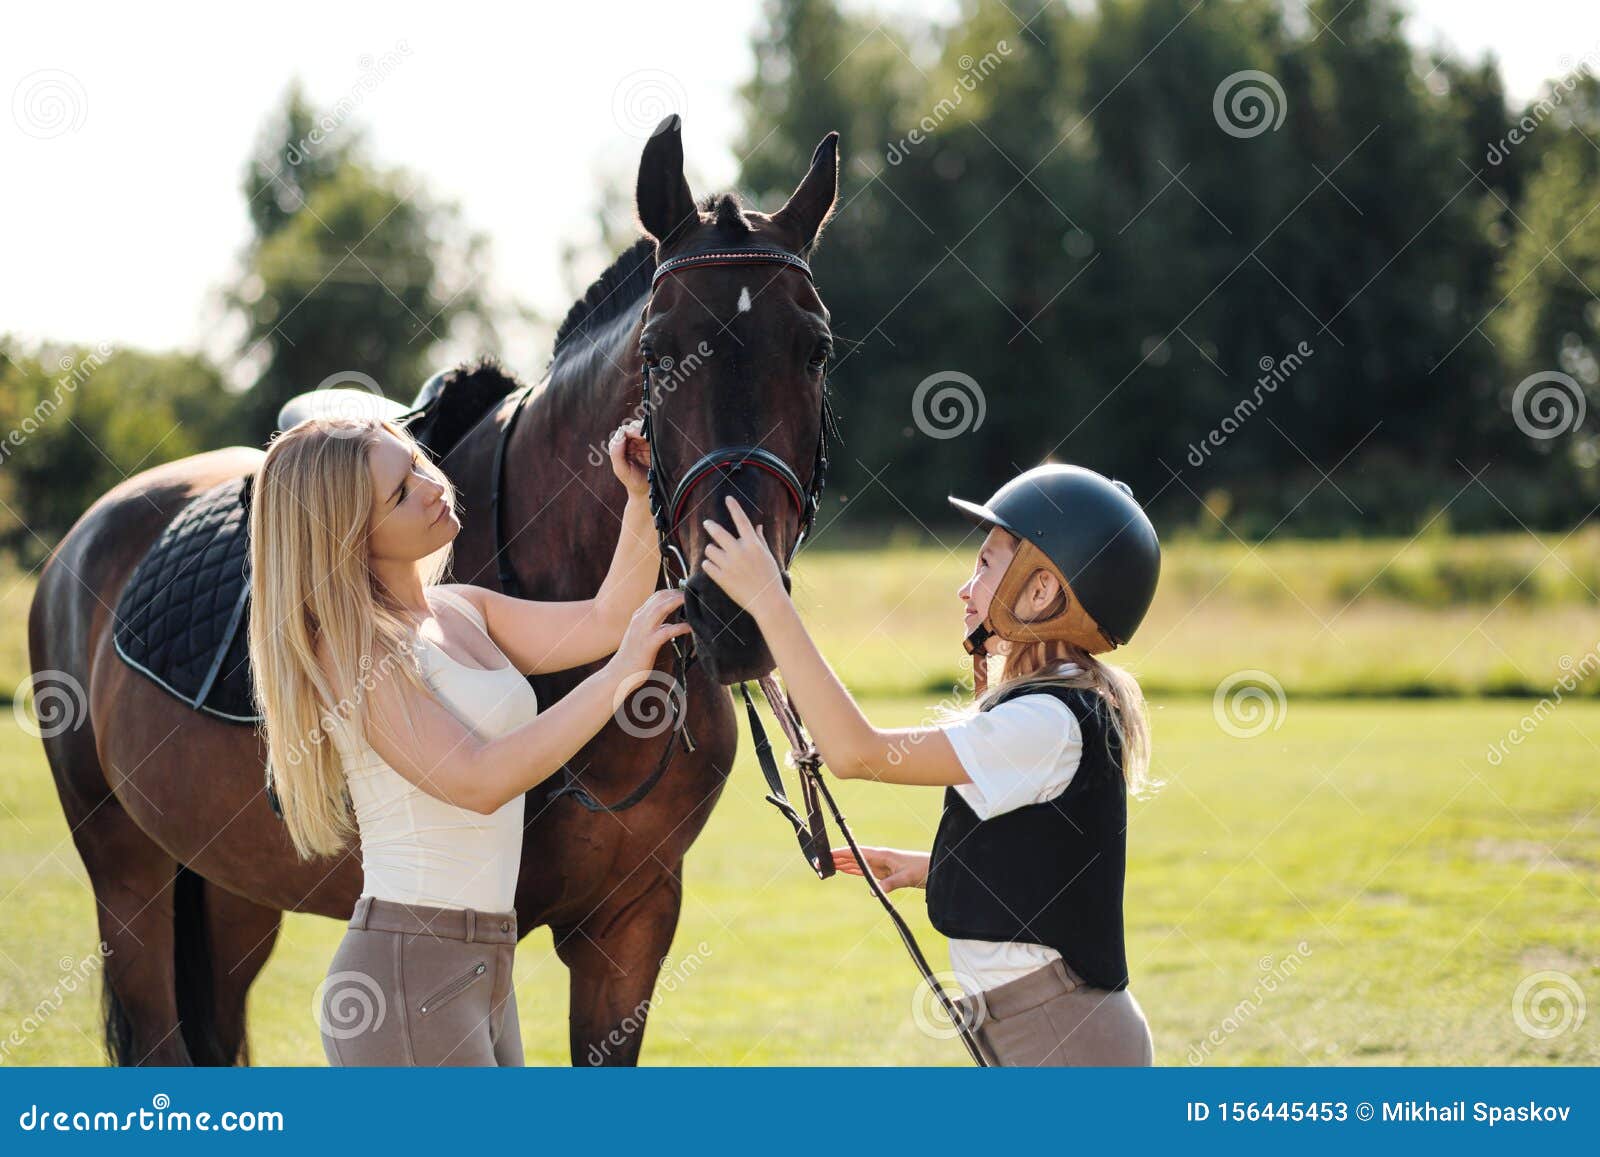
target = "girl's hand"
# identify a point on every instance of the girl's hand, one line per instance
(647, 630)
(892, 867)
(630, 457)
(741, 564)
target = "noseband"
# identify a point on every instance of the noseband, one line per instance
(668, 508)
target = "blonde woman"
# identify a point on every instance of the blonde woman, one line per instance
(398, 711)
(1026, 872)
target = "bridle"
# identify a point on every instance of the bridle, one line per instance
(667, 508)
(812, 831)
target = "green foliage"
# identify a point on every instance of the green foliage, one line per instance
(354, 270)
(1076, 231)
(75, 421)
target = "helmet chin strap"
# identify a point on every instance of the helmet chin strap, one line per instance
(974, 643)
(1074, 625)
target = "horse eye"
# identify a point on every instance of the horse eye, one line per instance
(821, 356)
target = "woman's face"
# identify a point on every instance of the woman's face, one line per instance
(410, 516)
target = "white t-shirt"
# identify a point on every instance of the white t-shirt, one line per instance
(1024, 751)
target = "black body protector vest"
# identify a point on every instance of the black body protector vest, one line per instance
(1047, 873)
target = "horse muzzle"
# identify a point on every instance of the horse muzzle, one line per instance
(727, 641)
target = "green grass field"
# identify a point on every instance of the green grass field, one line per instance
(1358, 885)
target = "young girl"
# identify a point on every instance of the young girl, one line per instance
(436, 733)
(1026, 872)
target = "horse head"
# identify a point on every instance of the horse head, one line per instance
(735, 344)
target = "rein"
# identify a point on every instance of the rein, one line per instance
(567, 784)
(813, 833)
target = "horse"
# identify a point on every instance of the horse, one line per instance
(168, 806)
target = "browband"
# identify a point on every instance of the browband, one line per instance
(730, 257)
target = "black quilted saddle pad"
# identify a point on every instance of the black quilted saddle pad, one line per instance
(182, 618)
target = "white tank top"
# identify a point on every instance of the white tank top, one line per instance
(417, 849)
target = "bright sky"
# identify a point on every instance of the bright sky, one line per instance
(121, 201)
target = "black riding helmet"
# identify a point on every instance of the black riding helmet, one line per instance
(1095, 535)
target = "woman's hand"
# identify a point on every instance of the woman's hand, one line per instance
(630, 457)
(647, 631)
(892, 867)
(741, 564)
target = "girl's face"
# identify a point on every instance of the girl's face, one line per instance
(411, 517)
(978, 591)
(993, 557)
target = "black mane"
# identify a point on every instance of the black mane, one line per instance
(486, 375)
(468, 392)
(623, 281)
(628, 277)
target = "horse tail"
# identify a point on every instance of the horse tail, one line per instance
(197, 1008)
(118, 1026)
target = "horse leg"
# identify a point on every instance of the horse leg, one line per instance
(135, 891)
(613, 956)
(239, 936)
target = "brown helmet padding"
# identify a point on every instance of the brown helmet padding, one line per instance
(1073, 625)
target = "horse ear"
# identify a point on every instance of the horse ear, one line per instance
(662, 197)
(811, 203)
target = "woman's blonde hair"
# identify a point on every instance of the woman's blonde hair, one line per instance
(1043, 663)
(311, 581)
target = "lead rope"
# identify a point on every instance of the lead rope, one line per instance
(813, 835)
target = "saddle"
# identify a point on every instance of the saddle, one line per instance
(181, 619)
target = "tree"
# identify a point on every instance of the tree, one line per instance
(354, 274)
(79, 420)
